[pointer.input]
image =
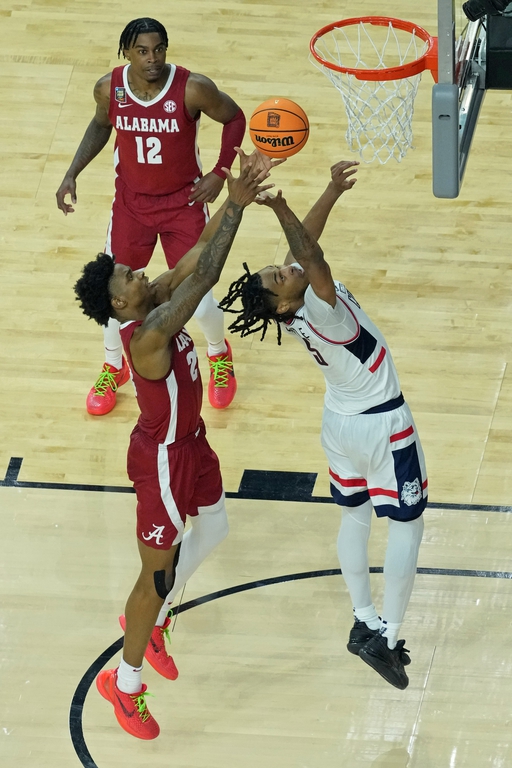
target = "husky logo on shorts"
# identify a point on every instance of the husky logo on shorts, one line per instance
(157, 534)
(411, 492)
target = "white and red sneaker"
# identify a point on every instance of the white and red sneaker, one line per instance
(130, 709)
(102, 396)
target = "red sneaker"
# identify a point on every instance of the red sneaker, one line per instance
(156, 653)
(222, 384)
(102, 397)
(130, 709)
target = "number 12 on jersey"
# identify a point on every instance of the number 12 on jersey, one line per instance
(148, 152)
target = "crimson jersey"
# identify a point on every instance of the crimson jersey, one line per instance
(156, 150)
(170, 407)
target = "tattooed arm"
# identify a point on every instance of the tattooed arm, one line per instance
(149, 346)
(164, 285)
(95, 138)
(305, 250)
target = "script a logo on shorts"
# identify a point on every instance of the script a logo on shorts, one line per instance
(157, 534)
(170, 106)
(121, 95)
(411, 492)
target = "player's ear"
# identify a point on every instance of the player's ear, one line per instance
(118, 302)
(283, 307)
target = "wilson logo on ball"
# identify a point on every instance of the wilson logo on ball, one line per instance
(285, 141)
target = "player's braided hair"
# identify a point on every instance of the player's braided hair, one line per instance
(258, 306)
(140, 27)
(93, 291)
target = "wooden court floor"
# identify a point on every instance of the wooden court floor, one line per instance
(264, 675)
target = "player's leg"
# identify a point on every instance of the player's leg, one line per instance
(132, 242)
(180, 228)
(123, 686)
(349, 490)
(155, 580)
(196, 490)
(398, 484)
(404, 539)
(208, 519)
(160, 525)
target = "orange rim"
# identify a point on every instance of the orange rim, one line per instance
(427, 61)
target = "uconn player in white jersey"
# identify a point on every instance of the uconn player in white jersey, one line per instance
(368, 434)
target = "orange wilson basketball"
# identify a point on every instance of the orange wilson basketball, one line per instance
(279, 128)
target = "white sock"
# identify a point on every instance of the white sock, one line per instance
(368, 615)
(113, 344)
(211, 322)
(390, 632)
(217, 349)
(129, 679)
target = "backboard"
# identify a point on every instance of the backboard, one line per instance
(458, 95)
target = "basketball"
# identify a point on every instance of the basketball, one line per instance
(279, 128)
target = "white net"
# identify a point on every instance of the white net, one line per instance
(379, 112)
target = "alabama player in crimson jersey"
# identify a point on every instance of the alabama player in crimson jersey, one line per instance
(155, 108)
(174, 471)
(368, 433)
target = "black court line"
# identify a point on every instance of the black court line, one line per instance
(78, 701)
(255, 484)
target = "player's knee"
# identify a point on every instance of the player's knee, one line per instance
(160, 584)
(219, 525)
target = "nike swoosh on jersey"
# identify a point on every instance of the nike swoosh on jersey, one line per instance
(122, 106)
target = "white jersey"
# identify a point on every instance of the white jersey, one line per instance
(349, 349)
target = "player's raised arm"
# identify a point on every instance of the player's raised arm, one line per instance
(342, 179)
(166, 283)
(202, 95)
(304, 249)
(149, 345)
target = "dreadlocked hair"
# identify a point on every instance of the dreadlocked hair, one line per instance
(139, 27)
(258, 306)
(92, 289)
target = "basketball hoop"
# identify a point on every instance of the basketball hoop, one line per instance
(375, 62)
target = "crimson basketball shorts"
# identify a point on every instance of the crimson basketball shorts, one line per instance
(137, 220)
(171, 482)
(376, 457)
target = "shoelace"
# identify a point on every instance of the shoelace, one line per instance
(401, 648)
(105, 380)
(220, 370)
(139, 699)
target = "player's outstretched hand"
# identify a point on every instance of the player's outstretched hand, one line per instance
(244, 190)
(258, 160)
(341, 173)
(270, 200)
